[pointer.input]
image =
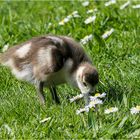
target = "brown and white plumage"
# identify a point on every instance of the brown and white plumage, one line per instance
(50, 61)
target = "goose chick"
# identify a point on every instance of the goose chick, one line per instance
(48, 61)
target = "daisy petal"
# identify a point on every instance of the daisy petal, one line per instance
(111, 110)
(110, 2)
(86, 3)
(86, 39)
(107, 33)
(90, 19)
(135, 110)
(76, 98)
(125, 5)
(136, 6)
(86, 109)
(44, 120)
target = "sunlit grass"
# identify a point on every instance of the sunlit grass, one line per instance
(116, 58)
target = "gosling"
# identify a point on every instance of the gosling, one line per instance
(48, 61)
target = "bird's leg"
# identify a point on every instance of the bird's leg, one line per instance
(39, 88)
(54, 95)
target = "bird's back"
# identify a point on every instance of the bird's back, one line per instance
(43, 56)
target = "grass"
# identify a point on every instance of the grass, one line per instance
(117, 59)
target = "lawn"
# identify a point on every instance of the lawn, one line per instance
(116, 57)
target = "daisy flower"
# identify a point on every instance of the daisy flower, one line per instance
(90, 11)
(5, 47)
(94, 102)
(85, 109)
(75, 14)
(44, 120)
(107, 33)
(136, 6)
(67, 19)
(86, 3)
(91, 105)
(76, 98)
(69, 16)
(111, 110)
(86, 39)
(110, 2)
(135, 110)
(90, 19)
(125, 5)
(98, 95)
(62, 22)
(95, 10)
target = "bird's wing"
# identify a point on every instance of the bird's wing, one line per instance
(49, 60)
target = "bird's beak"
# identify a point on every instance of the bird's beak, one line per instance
(92, 91)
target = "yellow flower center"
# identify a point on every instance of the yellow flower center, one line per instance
(138, 107)
(92, 103)
(110, 109)
(97, 94)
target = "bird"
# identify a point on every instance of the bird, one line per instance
(49, 61)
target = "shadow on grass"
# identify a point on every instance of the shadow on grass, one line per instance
(115, 90)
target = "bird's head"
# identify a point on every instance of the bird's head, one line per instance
(87, 78)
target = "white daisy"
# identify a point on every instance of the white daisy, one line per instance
(76, 98)
(125, 5)
(98, 95)
(85, 109)
(86, 3)
(95, 102)
(95, 10)
(90, 19)
(110, 2)
(90, 11)
(135, 110)
(75, 14)
(136, 6)
(44, 120)
(107, 33)
(69, 16)
(111, 110)
(5, 47)
(65, 20)
(62, 22)
(86, 39)
(91, 105)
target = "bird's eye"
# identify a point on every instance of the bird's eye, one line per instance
(85, 84)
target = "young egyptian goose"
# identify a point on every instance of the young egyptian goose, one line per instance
(48, 61)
